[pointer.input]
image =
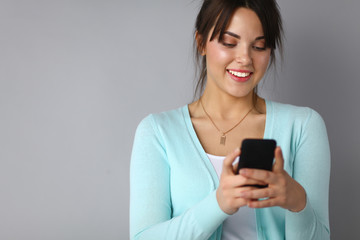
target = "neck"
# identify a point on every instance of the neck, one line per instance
(225, 106)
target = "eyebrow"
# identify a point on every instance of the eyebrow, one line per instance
(238, 37)
(232, 34)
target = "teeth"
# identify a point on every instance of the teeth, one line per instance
(239, 74)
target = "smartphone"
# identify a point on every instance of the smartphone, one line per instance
(257, 153)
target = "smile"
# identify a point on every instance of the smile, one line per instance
(239, 74)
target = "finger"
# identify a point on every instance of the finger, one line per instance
(254, 183)
(271, 202)
(227, 164)
(259, 193)
(279, 160)
(235, 167)
(238, 192)
(241, 181)
(258, 174)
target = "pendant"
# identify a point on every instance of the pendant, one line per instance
(223, 139)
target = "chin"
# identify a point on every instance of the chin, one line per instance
(241, 94)
(239, 91)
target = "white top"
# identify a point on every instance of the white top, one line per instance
(242, 224)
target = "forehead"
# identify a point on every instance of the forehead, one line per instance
(245, 23)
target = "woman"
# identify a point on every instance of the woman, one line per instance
(183, 186)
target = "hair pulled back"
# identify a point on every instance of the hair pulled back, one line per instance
(218, 13)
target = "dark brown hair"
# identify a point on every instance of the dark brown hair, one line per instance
(218, 13)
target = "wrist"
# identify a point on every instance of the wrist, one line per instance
(221, 205)
(301, 201)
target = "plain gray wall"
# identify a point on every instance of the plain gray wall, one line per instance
(76, 77)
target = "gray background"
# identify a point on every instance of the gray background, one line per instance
(76, 77)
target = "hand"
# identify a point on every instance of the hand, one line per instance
(231, 186)
(282, 191)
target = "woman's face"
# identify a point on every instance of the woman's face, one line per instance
(236, 64)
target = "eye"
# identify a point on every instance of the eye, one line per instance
(229, 45)
(257, 48)
(259, 45)
(228, 42)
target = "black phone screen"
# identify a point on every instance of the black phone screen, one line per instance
(257, 153)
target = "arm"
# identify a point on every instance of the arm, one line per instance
(312, 171)
(150, 199)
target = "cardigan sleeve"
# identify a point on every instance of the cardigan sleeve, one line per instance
(311, 168)
(150, 194)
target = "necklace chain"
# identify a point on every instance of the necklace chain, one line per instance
(223, 134)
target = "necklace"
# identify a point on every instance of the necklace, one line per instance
(223, 134)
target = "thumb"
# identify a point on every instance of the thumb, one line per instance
(227, 164)
(279, 160)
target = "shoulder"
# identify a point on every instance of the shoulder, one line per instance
(166, 119)
(287, 113)
(296, 126)
(173, 115)
(163, 129)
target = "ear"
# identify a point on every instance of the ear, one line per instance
(198, 39)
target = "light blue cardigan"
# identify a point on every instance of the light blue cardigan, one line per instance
(173, 183)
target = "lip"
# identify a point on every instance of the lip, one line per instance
(239, 70)
(239, 79)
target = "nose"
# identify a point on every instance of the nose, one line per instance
(243, 56)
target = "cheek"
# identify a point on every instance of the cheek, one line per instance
(214, 54)
(262, 62)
